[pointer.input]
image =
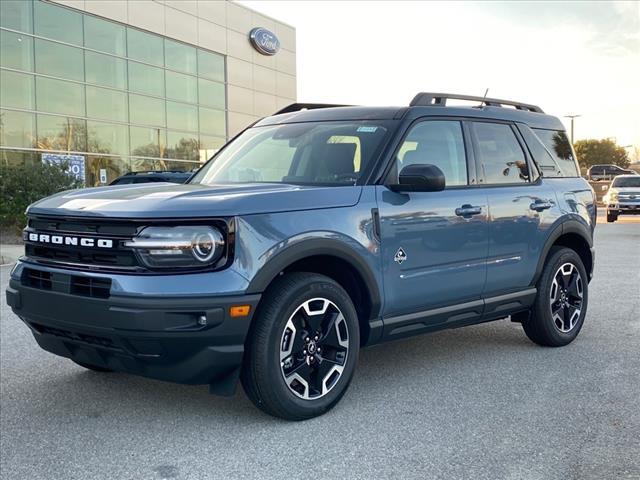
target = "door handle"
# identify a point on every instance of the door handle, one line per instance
(540, 205)
(467, 211)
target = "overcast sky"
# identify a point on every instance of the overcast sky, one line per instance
(568, 57)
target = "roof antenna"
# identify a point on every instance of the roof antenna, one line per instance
(484, 98)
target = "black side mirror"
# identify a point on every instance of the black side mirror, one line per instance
(420, 178)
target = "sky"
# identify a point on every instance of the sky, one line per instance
(573, 57)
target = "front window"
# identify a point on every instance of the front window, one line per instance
(316, 153)
(626, 182)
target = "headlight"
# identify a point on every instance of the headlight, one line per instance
(612, 195)
(178, 247)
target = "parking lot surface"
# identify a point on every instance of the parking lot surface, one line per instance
(480, 402)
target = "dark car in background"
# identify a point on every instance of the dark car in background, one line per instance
(152, 176)
(607, 172)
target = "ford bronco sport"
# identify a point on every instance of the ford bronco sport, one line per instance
(315, 232)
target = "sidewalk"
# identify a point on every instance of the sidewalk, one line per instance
(10, 253)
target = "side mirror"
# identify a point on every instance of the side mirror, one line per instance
(420, 178)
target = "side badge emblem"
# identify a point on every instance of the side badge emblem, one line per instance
(400, 256)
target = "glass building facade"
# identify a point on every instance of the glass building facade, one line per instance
(122, 98)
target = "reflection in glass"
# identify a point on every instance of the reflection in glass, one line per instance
(209, 146)
(58, 23)
(182, 116)
(17, 90)
(18, 157)
(212, 121)
(107, 138)
(145, 47)
(17, 129)
(62, 133)
(59, 60)
(16, 51)
(147, 110)
(58, 96)
(104, 36)
(114, 166)
(16, 15)
(211, 65)
(148, 142)
(211, 93)
(179, 56)
(106, 104)
(181, 87)
(106, 70)
(146, 79)
(183, 146)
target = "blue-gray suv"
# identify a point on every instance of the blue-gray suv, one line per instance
(315, 232)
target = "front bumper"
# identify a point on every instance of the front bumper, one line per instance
(166, 338)
(624, 207)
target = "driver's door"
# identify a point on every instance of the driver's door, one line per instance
(434, 244)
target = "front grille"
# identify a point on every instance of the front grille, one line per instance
(90, 287)
(76, 337)
(116, 258)
(36, 279)
(93, 287)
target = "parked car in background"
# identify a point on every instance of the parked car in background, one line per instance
(607, 172)
(623, 197)
(152, 176)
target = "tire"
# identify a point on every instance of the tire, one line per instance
(93, 367)
(556, 289)
(283, 352)
(611, 216)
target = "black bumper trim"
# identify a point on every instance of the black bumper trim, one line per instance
(164, 338)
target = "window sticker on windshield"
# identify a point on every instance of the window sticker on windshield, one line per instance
(367, 129)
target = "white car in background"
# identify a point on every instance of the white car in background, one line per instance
(623, 197)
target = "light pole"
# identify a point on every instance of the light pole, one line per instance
(572, 117)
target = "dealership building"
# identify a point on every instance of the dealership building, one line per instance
(111, 86)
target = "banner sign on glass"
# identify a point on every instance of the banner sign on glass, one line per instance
(75, 163)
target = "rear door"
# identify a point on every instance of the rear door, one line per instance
(434, 244)
(522, 207)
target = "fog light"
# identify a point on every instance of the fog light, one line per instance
(202, 320)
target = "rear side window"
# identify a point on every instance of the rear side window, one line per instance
(499, 154)
(560, 162)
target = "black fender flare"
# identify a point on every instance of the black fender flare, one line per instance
(568, 226)
(313, 247)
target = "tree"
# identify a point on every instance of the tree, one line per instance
(597, 152)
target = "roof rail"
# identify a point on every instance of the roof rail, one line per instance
(296, 107)
(146, 172)
(440, 99)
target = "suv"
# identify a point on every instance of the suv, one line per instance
(315, 232)
(152, 176)
(606, 172)
(623, 197)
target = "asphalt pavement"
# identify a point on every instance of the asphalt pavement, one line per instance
(480, 402)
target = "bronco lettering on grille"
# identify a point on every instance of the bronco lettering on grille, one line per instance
(69, 240)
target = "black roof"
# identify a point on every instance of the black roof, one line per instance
(423, 104)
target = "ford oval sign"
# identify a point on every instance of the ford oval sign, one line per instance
(264, 41)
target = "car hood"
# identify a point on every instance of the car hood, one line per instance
(167, 200)
(635, 190)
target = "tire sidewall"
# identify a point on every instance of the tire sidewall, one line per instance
(543, 310)
(316, 286)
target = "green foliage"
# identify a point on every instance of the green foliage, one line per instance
(597, 152)
(22, 185)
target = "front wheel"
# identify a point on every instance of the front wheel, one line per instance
(561, 303)
(612, 216)
(302, 348)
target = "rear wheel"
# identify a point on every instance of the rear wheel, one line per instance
(561, 303)
(612, 216)
(93, 367)
(302, 348)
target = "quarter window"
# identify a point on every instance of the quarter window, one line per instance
(438, 143)
(499, 154)
(561, 162)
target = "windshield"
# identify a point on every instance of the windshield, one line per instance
(316, 153)
(623, 182)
